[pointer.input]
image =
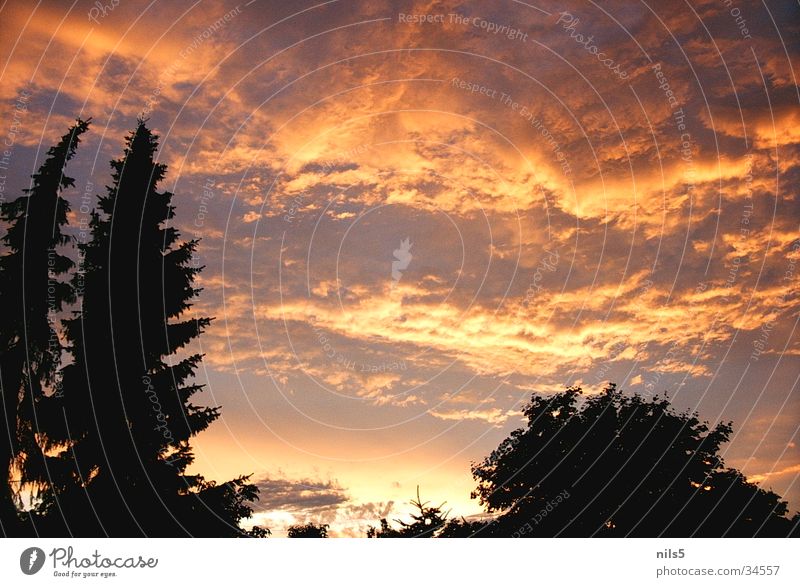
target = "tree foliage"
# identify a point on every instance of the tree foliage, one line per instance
(619, 465)
(33, 292)
(308, 531)
(117, 432)
(426, 522)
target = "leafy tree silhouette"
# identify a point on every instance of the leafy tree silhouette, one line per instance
(426, 522)
(127, 394)
(462, 528)
(30, 349)
(308, 531)
(617, 465)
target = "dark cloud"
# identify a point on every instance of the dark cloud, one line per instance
(286, 502)
(299, 495)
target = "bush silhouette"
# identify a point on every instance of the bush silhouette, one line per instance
(308, 531)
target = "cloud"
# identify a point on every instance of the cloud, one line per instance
(493, 416)
(760, 478)
(286, 502)
(298, 495)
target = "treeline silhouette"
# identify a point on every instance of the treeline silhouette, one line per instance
(308, 531)
(98, 413)
(608, 465)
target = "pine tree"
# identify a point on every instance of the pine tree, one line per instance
(30, 349)
(128, 392)
(426, 522)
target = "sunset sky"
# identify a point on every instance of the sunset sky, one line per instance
(587, 192)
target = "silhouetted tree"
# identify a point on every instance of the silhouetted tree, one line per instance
(127, 394)
(308, 531)
(32, 295)
(617, 465)
(425, 523)
(463, 528)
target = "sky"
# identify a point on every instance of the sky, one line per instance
(414, 215)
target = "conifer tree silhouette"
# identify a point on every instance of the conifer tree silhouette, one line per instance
(32, 293)
(426, 522)
(127, 394)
